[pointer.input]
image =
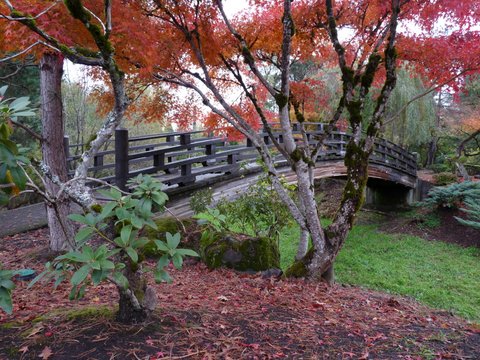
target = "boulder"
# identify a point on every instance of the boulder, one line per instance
(239, 252)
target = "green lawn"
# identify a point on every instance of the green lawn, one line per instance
(440, 275)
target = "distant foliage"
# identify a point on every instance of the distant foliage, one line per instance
(454, 195)
(445, 178)
(415, 124)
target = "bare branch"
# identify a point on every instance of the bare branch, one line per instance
(96, 18)
(20, 53)
(247, 54)
(28, 130)
(108, 16)
(9, 5)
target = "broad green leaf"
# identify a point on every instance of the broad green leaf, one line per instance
(163, 261)
(137, 222)
(73, 293)
(20, 103)
(112, 194)
(38, 278)
(177, 260)
(162, 275)
(58, 281)
(125, 233)
(132, 254)
(140, 243)
(7, 284)
(81, 291)
(78, 218)
(120, 279)
(160, 198)
(101, 252)
(80, 275)
(173, 240)
(186, 252)
(25, 113)
(6, 301)
(119, 242)
(83, 234)
(107, 265)
(151, 223)
(98, 276)
(107, 209)
(161, 245)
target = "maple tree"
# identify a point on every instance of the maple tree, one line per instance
(221, 54)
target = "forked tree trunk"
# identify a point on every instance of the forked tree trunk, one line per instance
(51, 70)
(138, 301)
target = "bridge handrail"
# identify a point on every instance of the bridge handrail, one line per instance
(182, 158)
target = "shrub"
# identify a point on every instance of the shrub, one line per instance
(258, 211)
(118, 256)
(473, 211)
(445, 178)
(452, 196)
(201, 200)
(439, 168)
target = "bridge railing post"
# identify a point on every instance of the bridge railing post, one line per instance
(121, 158)
(232, 160)
(186, 169)
(159, 160)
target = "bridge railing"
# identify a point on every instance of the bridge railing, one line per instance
(180, 158)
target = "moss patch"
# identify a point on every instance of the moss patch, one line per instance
(239, 252)
(171, 225)
(299, 267)
(91, 312)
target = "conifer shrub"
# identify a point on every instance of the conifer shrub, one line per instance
(454, 196)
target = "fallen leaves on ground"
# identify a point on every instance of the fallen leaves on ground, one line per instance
(222, 314)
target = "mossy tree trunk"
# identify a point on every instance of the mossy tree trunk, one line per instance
(318, 262)
(136, 302)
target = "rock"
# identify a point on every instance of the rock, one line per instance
(239, 252)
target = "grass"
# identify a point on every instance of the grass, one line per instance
(440, 275)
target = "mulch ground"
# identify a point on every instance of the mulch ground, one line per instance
(224, 315)
(448, 230)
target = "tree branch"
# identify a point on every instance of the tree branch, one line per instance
(28, 130)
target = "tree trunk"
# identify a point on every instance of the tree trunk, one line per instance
(51, 70)
(138, 301)
(431, 152)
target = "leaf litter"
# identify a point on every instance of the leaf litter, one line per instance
(223, 314)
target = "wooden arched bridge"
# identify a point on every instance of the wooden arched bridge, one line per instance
(186, 160)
